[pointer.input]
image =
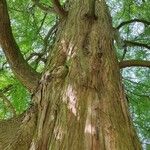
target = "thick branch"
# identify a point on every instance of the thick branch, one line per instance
(134, 63)
(8, 103)
(59, 9)
(17, 132)
(92, 8)
(132, 43)
(131, 21)
(19, 66)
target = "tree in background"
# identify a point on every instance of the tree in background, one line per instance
(75, 97)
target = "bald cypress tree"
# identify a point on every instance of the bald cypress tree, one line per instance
(78, 101)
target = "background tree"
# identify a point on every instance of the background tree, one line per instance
(64, 55)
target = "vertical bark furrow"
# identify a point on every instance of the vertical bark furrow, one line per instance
(85, 104)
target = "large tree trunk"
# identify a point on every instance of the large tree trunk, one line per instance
(81, 101)
(80, 98)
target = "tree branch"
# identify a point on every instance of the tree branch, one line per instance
(43, 7)
(134, 63)
(8, 103)
(50, 32)
(132, 43)
(59, 9)
(91, 12)
(33, 55)
(19, 66)
(18, 130)
(131, 21)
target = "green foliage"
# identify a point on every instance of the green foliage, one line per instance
(138, 94)
(136, 80)
(16, 94)
(20, 98)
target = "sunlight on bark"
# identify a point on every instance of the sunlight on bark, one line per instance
(68, 48)
(89, 128)
(72, 99)
(71, 51)
(32, 146)
(58, 133)
(63, 46)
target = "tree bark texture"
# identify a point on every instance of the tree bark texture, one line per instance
(81, 101)
(17, 133)
(80, 97)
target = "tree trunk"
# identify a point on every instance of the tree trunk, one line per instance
(80, 98)
(81, 101)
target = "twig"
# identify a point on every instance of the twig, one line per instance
(131, 21)
(42, 22)
(133, 43)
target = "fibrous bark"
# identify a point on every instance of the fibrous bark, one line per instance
(80, 97)
(17, 132)
(81, 100)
